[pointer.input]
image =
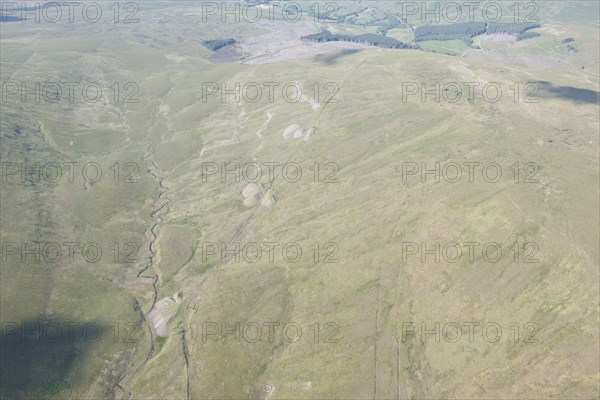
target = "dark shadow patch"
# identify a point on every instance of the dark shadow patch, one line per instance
(38, 357)
(9, 18)
(14, 9)
(330, 59)
(576, 95)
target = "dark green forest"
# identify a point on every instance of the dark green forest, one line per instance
(217, 44)
(369, 38)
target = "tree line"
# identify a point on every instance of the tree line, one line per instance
(368, 38)
(217, 44)
(467, 30)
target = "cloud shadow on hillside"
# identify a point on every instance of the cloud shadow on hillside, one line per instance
(38, 358)
(333, 58)
(576, 95)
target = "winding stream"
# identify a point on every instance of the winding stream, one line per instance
(153, 233)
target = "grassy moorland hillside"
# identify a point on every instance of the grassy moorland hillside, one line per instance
(348, 233)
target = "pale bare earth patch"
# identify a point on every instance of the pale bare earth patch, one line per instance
(284, 43)
(175, 57)
(466, 73)
(163, 313)
(269, 118)
(498, 37)
(255, 194)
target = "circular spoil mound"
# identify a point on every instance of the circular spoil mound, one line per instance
(294, 131)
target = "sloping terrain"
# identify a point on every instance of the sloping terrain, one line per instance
(317, 243)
